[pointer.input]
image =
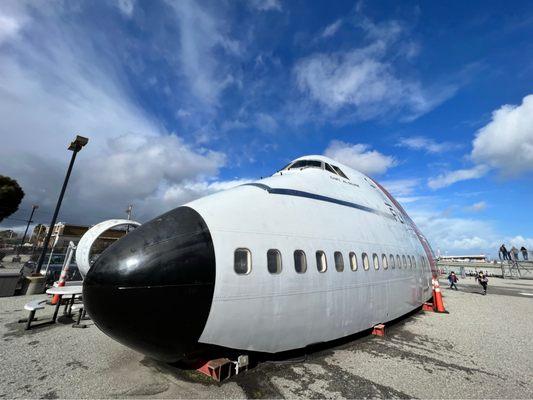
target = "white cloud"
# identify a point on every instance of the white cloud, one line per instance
(426, 144)
(401, 187)
(181, 113)
(506, 142)
(266, 122)
(266, 5)
(179, 194)
(363, 81)
(360, 157)
(126, 7)
(12, 20)
(477, 207)
(331, 29)
(455, 235)
(136, 166)
(404, 190)
(451, 177)
(411, 199)
(9, 27)
(54, 84)
(202, 34)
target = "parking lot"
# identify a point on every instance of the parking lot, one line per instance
(481, 349)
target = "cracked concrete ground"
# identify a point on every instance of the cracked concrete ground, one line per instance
(482, 349)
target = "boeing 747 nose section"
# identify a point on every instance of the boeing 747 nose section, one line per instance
(152, 290)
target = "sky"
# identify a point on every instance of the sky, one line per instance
(180, 99)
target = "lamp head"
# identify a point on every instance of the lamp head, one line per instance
(78, 143)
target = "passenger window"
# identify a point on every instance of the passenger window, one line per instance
(353, 261)
(300, 261)
(414, 261)
(398, 261)
(385, 261)
(242, 261)
(375, 261)
(339, 261)
(274, 261)
(321, 261)
(366, 263)
(391, 257)
(404, 262)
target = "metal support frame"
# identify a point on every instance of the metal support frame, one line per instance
(30, 319)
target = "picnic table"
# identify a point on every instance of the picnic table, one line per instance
(73, 291)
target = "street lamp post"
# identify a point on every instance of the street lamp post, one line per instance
(75, 146)
(33, 208)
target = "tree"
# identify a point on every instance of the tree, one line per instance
(10, 196)
(39, 232)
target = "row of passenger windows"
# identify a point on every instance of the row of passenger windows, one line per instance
(243, 261)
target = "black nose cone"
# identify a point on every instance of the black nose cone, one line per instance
(152, 289)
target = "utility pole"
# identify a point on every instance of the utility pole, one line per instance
(128, 211)
(17, 257)
(75, 146)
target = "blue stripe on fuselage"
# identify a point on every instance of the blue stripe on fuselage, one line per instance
(299, 193)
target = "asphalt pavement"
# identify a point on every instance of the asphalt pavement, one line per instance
(482, 349)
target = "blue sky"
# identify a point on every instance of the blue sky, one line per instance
(181, 99)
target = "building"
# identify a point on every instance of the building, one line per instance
(64, 233)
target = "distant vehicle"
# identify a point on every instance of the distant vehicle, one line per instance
(54, 269)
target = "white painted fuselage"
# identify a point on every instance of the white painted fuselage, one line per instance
(310, 209)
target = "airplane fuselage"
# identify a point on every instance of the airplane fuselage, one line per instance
(307, 255)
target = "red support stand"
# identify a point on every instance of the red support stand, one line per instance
(379, 330)
(219, 369)
(427, 307)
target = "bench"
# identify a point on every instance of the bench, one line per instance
(32, 307)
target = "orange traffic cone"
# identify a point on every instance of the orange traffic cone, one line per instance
(438, 304)
(61, 282)
(55, 299)
(64, 270)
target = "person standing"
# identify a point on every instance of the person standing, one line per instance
(514, 253)
(504, 252)
(524, 253)
(452, 278)
(483, 281)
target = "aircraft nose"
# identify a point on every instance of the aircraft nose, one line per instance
(152, 289)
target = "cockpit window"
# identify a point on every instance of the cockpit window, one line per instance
(306, 164)
(339, 171)
(315, 164)
(330, 169)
